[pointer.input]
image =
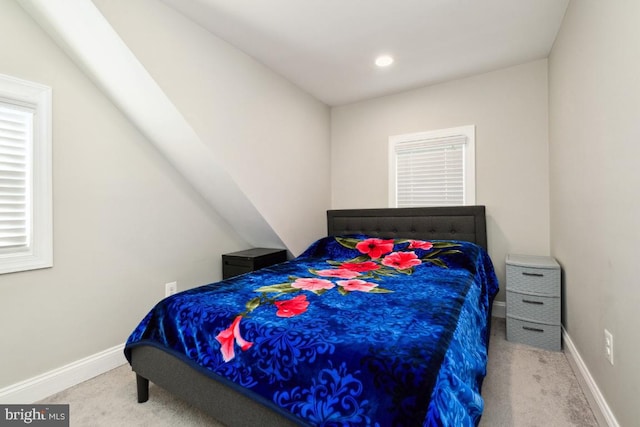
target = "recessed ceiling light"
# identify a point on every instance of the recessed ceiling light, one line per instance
(384, 61)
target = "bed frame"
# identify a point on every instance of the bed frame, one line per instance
(227, 405)
(467, 223)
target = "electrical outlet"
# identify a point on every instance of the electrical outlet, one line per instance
(170, 288)
(608, 346)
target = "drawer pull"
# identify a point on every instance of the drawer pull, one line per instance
(525, 273)
(528, 301)
(528, 328)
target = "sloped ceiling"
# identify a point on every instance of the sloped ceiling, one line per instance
(328, 47)
(82, 31)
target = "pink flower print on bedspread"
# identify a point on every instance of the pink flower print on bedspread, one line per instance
(360, 267)
(376, 262)
(229, 337)
(420, 244)
(356, 285)
(401, 260)
(292, 307)
(375, 248)
(339, 273)
(312, 284)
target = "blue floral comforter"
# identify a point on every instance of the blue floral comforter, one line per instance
(356, 331)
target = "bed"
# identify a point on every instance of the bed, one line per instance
(383, 322)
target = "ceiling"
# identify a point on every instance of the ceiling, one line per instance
(328, 47)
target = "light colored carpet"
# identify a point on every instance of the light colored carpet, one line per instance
(524, 387)
(110, 400)
(527, 386)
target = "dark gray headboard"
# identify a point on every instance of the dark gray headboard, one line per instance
(466, 223)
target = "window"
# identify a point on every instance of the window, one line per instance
(435, 168)
(25, 176)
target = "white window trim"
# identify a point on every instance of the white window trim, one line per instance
(40, 249)
(469, 132)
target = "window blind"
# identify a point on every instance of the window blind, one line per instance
(15, 146)
(430, 172)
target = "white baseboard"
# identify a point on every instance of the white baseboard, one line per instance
(601, 409)
(499, 309)
(44, 385)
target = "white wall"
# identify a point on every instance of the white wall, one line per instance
(125, 222)
(508, 108)
(594, 84)
(272, 137)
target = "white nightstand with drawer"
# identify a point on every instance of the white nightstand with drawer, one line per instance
(534, 301)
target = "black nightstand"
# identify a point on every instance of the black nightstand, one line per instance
(241, 262)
